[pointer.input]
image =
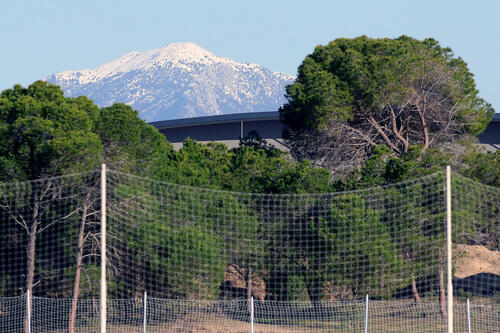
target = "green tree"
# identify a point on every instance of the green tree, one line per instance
(43, 134)
(344, 246)
(354, 94)
(477, 206)
(253, 169)
(249, 168)
(129, 144)
(253, 139)
(185, 260)
(483, 167)
(384, 168)
(414, 210)
(199, 165)
(184, 237)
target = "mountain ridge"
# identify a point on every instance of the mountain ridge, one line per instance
(177, 81)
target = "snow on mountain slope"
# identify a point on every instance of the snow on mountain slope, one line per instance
(177, 81)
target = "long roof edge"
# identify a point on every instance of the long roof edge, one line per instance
(232, 117)
(224, 118)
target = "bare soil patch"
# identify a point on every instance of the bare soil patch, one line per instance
(475, 259)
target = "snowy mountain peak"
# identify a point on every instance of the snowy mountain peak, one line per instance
(177, 54)
(178, 80)
(184, 51)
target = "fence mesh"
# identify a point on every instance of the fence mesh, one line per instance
(308, 260)
(233, 316)
(12, 313)
(49, 227)
(190, 243)
(476, 240)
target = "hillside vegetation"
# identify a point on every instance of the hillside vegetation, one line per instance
(190, 216)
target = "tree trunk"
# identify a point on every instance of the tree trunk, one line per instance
(442, 296)
(313, 286)
(314, 294)
(425, 128)
(79, 256)
(30, 265)
(414, 290)
(384, 136)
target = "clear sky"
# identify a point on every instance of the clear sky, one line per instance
(42, 37)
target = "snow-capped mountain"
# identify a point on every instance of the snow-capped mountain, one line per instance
(177, 81)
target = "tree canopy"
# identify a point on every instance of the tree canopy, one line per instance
(302, 246)
(354, 94)
(244, 169)
(43, 133)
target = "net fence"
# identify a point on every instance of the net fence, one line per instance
(182, 242)
(186, 259)
(233, 316)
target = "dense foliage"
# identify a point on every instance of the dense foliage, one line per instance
(354, 94)
(44, 134)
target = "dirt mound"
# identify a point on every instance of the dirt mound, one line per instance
(475, 259)
(235, 284)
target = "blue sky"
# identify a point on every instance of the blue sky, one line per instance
(43, 37)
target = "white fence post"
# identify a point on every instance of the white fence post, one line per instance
(448, 250)
(28, 311)
(468, 316)
(366, 314)
(103, 314)
(145, 320)
(251, 314)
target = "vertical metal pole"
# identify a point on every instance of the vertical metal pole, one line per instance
(103, 314)
(468, 316)
(241, 129)
(366, 314)
(28, 310)
(145, 312)
(448, 250)
(251, 315)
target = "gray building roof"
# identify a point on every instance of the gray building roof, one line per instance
(491, 135)
(228, 128)
(224, 118)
